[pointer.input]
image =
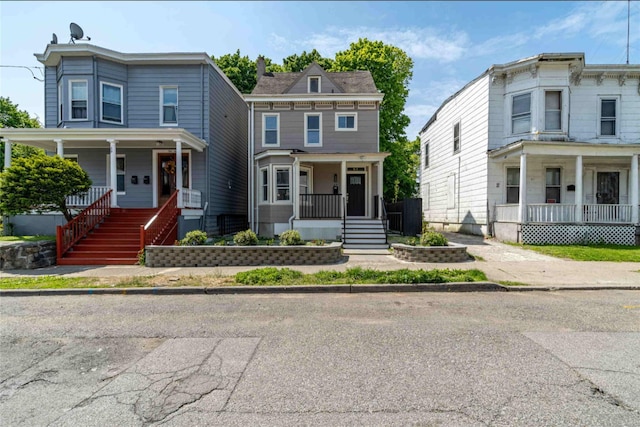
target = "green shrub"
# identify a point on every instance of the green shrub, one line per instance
(432, 238)
(268, 276)
(318, 242)
(245, 238)
(194, 238)
(291, 238)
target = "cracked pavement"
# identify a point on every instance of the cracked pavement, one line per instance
(476, 359)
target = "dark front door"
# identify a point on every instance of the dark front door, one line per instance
(608, 192)
(167, 175)
(355, 192)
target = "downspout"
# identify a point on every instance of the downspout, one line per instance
(458, 195)
(203, 225)
(96, 95)
(296, 162)
(252, 213)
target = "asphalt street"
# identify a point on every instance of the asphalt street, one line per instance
(455, 359)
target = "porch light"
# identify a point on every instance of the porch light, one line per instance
(335, 178)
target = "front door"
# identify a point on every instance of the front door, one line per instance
(608, 188)
(355, 194)
(167, 174)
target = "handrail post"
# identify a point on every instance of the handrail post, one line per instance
(142, 237)
(59, 243)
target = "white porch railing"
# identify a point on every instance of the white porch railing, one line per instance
(506, 213)
(191, 198)
(551, 212)
(86, 199)
(609, 214)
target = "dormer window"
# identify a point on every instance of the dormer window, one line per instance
(314, 84)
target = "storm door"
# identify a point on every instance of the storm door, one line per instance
(355, 194)
(167, 174)
(608, 188)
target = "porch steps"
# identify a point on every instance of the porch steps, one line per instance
(364, 234)
(114, 242)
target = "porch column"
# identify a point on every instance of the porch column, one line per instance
(7, 153)
(522, 200)
(113, 172)
(295, 176)
(343, 185)
(179, 171)
(635, 214)
(380, 188)
(59, 147)
(578, 194)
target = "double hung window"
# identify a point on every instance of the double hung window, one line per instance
(111, 102)
(169, 107)
(521, 113)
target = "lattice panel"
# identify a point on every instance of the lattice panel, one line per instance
(538, 234)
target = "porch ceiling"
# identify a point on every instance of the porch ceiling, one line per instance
(572, 149)
(47, 138)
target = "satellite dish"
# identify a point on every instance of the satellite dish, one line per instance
(54, 39)
(76, 33)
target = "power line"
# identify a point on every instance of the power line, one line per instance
(27, 68)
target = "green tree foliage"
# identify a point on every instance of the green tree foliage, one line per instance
(12, 117)
(41, 183)
(296, 63)
(242, 71)
(391, 69)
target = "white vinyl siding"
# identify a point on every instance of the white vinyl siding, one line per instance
(168, 105)
(111, 103)
(521, 113)
(313, 129)
(270, 130)
(451, 191)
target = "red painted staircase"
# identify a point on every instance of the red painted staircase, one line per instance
(116, 241)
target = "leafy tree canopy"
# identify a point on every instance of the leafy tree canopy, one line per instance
(296, 63)
(12, 117)
(41, 183)
(242, 71)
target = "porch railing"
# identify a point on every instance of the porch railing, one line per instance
(162, 225)
(191, 198)
(610, 214)
(558, 213)
(551, 212)
(67, 235)
(506, 213)
(86, 199)
(321, 206)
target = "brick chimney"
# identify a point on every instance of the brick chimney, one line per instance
(260, 66)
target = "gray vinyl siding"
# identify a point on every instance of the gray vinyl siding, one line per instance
(50, 97)
(364, 140)
(143, 95)
(228, 122)
(75, 66)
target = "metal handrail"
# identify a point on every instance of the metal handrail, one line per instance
(383, 216)
(161, 224)
(344, 220)
(68, 235)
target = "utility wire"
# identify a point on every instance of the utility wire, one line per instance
(28, 68)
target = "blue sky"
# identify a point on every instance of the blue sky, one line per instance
(449, 42)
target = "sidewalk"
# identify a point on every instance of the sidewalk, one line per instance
(500, 262)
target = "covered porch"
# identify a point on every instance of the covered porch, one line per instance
(565, 192)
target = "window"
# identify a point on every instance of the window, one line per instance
(552, 192)
(169, 107)
(456, 138)
(521, 113)
(553, 110)
(425, 154)
(283, 190)
(78, 95)
(111, 103)
(71, 157)
(346, 121)
(305, 181)
(608, 115)
(264, 185)
(314, 84)
(120, 172)
(271, 129)
(60, 103)
(312, 130)
(513, 185)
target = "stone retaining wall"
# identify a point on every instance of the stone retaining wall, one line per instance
(224, 256)
(451, 253)
(27, 255)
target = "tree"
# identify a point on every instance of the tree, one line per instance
(12, 117)
(242, 71)
(41, 183)
(391, 69)
(296, 63)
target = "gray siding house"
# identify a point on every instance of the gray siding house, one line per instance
(144, 125)
(315, 164)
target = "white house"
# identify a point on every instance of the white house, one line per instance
(540, 150)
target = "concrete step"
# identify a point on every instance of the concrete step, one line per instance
(363, 246)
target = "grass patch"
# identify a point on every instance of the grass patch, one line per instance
(612, 253)
(26, 238)
(49, 282)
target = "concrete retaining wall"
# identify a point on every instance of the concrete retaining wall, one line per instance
(451, 253)
(222, 256)
(27, 255)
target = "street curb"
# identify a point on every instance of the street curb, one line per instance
(303, 289)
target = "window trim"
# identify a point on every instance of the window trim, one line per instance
(309, 78)
(560, 110)
(306, 129)
(86, 83)
(162, 105)
(617, 117)
(264, 129)
(457, 140)
(124, 172)
(121, 87)
(72, 157)
(529, 114)
(355, 122)
(558, 186)
(60, 102)
(507, 185)
(425, 155)
(274, 193)
(262, 183)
